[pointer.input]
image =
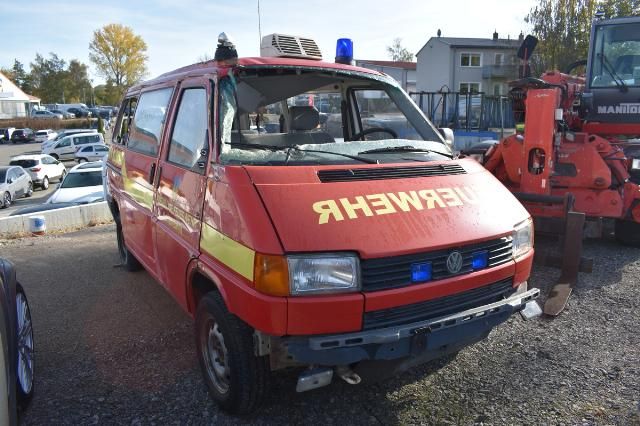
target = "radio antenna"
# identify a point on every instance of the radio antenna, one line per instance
(259, 25)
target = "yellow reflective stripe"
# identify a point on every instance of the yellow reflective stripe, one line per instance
(233, 254)
(116, 156)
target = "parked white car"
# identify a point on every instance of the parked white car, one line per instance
(82, 185)
(93, 152)
(46, 114)
(41, 167)
(65, 148)
(45, 135)
(15, 183)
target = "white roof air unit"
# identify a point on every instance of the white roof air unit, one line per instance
(288, 46)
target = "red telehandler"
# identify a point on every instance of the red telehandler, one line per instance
(577, 161)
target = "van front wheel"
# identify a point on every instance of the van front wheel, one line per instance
(237, 379)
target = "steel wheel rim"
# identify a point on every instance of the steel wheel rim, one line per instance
(7, 199)
(25, 344)
(30, 190)
(215, 356)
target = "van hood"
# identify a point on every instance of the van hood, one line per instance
(385, 216)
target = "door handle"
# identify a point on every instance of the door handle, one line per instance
(152, 173)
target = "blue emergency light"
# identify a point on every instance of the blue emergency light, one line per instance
(479, 260)
(420, 272)
(344, 51)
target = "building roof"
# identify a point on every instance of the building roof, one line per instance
(33, 98)
(485, 43)
(393, 64)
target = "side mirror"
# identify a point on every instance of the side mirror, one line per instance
(10, 180)
(448, 136)
(527, 47)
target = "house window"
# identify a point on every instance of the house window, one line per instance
(498, 89)
(470, 59)
(472, 88)
(499, 59)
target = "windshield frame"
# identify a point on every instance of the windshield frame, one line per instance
(414, 116)
(600, 61)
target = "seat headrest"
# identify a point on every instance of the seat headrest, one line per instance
(304, 117)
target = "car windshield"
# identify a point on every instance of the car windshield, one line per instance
(23, 163)
(77, 180)
(616, 56)
(287, 116)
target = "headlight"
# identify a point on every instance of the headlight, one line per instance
(325, 273)
(635, 164)
(522, 238)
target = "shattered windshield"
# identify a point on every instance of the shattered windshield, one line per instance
(616, 58)
(277, 116)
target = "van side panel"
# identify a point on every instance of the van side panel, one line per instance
(137, 207)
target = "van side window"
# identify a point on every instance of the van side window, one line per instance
(127, 110)
(64, 143)
(146, 129)
(189, 136)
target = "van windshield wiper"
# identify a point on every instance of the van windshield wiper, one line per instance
(404, 148)
(612, 72)
(353, 157)
(295, 148)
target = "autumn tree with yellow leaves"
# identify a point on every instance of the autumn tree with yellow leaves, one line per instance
(119, 55)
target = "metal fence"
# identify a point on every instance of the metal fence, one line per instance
(465, 111)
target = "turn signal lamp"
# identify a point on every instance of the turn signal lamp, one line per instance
(271, 274)
(344, 51)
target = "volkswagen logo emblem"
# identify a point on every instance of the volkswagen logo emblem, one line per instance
(454, 262)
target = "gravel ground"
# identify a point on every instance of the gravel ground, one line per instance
(113, 348)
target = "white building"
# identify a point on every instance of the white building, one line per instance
(14, 103)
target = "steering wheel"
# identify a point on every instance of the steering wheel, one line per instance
(362, 134)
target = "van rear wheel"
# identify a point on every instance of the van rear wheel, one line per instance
(127, 259)
(237, 379)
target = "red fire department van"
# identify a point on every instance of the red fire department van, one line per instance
(307, 214)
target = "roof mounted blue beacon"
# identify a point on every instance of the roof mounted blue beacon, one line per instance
(344, 51)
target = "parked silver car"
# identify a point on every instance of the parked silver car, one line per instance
(15, 182)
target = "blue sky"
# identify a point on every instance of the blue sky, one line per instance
(178, 32)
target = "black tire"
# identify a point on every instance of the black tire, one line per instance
(62, 176)
(82, 160)
(628, 232)
(127, 258)
(24, 389)
(246, 376)
(45, 183)
(6, 200)
(29, 192)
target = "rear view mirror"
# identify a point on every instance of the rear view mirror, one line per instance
(448, 136)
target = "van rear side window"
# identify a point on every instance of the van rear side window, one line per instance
(148, 121)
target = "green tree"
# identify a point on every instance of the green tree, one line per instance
(613, 8)
(398, 53)
(18, 76)
(77, 84)
(119, 55)
(49, 78)
(21, 77)
(107, 94)
(563, 28)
